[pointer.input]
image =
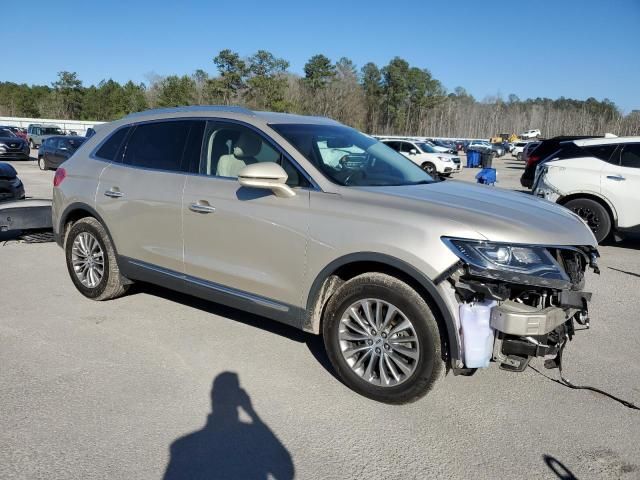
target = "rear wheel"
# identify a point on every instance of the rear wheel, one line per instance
(382, 339)
(429, 167)
(91, 261)
(594, 214)
(41, 163)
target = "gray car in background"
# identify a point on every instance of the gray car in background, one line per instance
(36, 133)
(314, 224)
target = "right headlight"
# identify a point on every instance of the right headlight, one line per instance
(513, 263)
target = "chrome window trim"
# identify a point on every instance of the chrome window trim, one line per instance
(313, 184)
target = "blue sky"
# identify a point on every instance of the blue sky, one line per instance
(565, 48)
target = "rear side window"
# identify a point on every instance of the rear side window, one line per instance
(406, 147)
(630, 156)
(158, 145)
(394, 145)
(603, 152)
(109, 149)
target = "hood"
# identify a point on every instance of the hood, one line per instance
(496, 214)
(18, 140)
(7, 171)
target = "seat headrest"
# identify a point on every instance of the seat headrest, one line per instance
(248, 145)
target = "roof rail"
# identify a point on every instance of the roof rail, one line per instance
(194, 108)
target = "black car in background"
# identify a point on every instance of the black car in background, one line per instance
(12, 147)
(56, 149)
(11, 187)
(541, 152)
(446, 144)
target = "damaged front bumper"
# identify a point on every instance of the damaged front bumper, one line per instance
(521, 320)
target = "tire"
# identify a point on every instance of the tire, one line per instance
(430, 168)
(31, 144)
(518, 156)
(596, 216)
(111, 284)
(41, 163)
(421, 370)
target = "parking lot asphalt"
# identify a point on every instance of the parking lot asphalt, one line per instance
(123, 389)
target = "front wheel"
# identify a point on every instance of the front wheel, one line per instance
(41, 164)
(31, 145)
(430, 168)
(91, 261)
(382, 339)
(594, 214)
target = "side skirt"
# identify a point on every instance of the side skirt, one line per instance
(213, 292)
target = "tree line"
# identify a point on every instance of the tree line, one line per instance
(397, 98)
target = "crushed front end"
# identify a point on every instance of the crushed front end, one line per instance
(518, 301)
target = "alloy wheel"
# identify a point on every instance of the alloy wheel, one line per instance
(430, 169)
(378, 342)
(87, 259)
(589, 216)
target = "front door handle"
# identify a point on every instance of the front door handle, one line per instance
(114, 192)
(202, 206)
(617, 178)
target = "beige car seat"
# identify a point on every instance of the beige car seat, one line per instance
(244, 152)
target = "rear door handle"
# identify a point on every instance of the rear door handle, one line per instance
(114, 192)
(617, 178)
(202, 206)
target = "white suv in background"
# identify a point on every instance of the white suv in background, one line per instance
(426, 156)
(531, 134)
(597, 178)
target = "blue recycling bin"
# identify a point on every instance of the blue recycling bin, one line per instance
(473, 159)
(487, 176)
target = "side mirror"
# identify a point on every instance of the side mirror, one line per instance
(266, 175)
(413, 151)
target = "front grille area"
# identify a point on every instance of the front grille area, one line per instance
(573, 262)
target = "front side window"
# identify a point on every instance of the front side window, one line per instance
(630, 156)
(350, 158)
(158, 145)
(228, 148)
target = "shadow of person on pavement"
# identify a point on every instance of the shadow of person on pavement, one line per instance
(226, 447)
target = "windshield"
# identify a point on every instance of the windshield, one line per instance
(51, 131)
(426, 148)
(350, 158)
(5, 132)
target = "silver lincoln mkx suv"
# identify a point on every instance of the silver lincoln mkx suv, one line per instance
(314, 224)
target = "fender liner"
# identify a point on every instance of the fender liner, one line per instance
(425, 282)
